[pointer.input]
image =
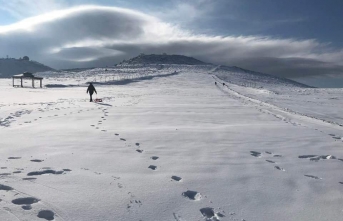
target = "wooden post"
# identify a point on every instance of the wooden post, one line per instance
(41, 83)
(21, 82)
(13, 81)
(33, 82)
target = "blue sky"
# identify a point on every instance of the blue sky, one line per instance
(291, 38)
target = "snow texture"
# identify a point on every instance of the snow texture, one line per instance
(248, 147)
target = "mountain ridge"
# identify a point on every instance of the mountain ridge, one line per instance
(12, 66)
(162, 59)
(230, 73)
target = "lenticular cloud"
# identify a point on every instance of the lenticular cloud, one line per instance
(95, 36)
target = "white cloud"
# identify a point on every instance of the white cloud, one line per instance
(94, 35)
(185, 13)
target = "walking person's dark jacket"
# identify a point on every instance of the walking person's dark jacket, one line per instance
(91, 90)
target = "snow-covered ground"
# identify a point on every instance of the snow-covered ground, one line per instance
(319, 103)
(169, 146)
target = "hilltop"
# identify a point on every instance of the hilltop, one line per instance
(12, 66)
(232, 74)
(162, 59)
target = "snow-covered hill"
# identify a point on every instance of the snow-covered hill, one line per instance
(162, 59)
(169, 144)
(242, 77)
(234, 75)
(9, 67)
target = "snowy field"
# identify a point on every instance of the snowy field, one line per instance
(167, 144)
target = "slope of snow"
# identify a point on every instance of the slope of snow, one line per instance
(292, 97)
(242, 77)
(286, 94)
(165, 144)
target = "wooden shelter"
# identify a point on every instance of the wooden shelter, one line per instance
(26, 75)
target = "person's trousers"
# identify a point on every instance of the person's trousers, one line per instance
(91, 94)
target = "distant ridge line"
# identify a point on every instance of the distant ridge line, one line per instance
(11, 66)
(162, 59)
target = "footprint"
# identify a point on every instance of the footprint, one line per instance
(6, 188)
(116, 134)
(122, 139)
(192, 195)
(152, 167)
(255, 153)
(137, 144)
(317, 158)
(46, 214)
(268, 152)
(208, 213)
(313, 177)
(277, 155)
(25, 201)
(26, 207)
(222, 215)
(38, 173)
(307, 156)
(176, 178)
(280, 168)
(29, 178)
(37, 160)
(134, 203)
(139, 151)
(270, 161)
(14, 158)
(154, 157)
(177, 217)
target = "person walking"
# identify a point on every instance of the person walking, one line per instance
(91, 90)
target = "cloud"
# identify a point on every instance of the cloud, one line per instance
(86, 36)
(24, 8)
(185, 13)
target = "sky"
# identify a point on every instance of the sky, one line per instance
(293, 38)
